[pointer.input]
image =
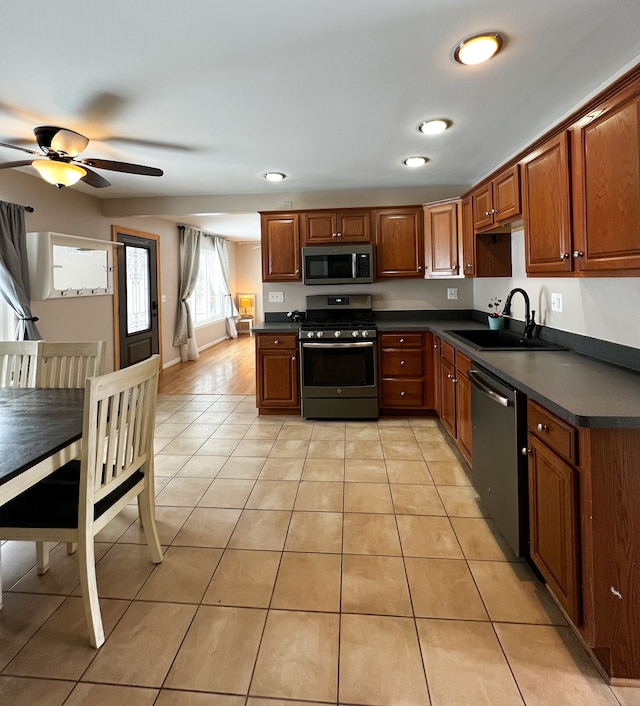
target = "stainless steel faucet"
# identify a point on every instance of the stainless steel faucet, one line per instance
(529, 321)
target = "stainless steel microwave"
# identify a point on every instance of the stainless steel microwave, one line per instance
(337, 264)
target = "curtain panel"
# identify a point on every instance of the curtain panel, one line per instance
(14, 273)
(184, 334)
(230, 310)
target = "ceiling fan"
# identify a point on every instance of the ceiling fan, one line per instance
(58, 164)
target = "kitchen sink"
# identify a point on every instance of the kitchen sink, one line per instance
(501, 340)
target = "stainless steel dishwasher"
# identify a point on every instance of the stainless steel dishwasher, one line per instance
(499, 469)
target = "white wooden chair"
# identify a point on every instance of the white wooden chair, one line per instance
(116, 466)
(68, 364)
(18, 363)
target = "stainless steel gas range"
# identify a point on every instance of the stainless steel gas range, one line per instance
(338, 354)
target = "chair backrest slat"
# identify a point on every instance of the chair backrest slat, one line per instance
(68, 363)
(119, 417)
(18, 363)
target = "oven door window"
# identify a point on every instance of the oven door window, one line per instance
(338, 365)
(321, 267)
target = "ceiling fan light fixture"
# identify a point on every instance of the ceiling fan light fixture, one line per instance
(274, 176)
(415, 162)
(434, 127)
(478, 48)
(59, 173)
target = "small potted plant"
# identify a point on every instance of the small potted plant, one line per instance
(495, 318)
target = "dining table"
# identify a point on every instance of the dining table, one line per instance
(40, 431)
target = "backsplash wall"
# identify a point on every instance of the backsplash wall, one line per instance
(600, 307)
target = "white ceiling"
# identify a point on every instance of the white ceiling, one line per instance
(330, 92)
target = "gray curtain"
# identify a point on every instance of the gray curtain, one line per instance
(14, 274)
(229, 309)
(184, 334)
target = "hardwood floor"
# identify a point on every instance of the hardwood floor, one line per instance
(226, 368)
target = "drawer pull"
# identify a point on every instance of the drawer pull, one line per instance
(402, 393)
(402, 340)
(276, 342)
(402, 362)
(542, 427)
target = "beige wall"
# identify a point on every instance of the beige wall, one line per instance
(249, 274)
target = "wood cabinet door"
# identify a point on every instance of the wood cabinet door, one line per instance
(468, 261)
(547, 214)
(441, 239)
(553, 524)
(278, 379)
(319, 228)
(448, 396)
(280, 233)
(354, 226)
(463, 414)
(399, 242)
(607, 186)
(437, 377)
(506, 195)
(482, 207)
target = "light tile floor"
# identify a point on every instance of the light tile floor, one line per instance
(316, 563)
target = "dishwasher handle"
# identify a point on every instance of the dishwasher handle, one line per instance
(481, 385)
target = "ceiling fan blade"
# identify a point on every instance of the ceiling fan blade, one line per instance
(121, 167)
(22, 163)
(22, 149)
(94, 179)
(60, 140)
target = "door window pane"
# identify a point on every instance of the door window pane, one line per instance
(138, 289)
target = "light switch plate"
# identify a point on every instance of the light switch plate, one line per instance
(452, 292)
(556, 302)
(276, 297)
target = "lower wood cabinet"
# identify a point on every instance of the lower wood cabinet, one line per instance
(277, 374)
(406, 371)
(455, 397)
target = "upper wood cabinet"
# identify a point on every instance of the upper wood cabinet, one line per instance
(441, 223)
(335, 227)
(546, 206)
(498, 201)
(399, 240)
(468, 239)
(280, 247)
(606, 185)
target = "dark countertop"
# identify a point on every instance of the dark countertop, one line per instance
(581, 390)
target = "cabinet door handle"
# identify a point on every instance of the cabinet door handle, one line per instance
(297, 271)
(454, 380)
(293, 358)
(564, 256)
(487, 213)
(450, 376)
(542, 427)
(469, 265)
(419, 268)
(524, 451)
(577, 253)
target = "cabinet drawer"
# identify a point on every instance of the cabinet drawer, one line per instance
(462, 363)
(401, 340)
(556, 434)
(277, 341)
(448, 352)
(402, 393)
(402, 363)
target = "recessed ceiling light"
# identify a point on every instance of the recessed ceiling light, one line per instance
(415, 161)
(274, 176)
(479, 48)
(434, 127)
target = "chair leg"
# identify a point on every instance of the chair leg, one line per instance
(72, 547)
(146, 505)
(42, 557)
(88, 583)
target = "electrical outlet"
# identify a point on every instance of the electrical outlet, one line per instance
(556, 302)
(276, 297)
(452, 292)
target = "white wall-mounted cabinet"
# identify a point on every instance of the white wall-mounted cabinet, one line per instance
(69, 266)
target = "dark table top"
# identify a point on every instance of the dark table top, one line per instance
(34, 424)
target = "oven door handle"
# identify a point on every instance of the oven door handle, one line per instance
(354, 344)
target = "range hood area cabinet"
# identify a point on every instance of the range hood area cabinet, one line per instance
(68, 266)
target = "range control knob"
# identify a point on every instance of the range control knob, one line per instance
(337, 334)
(355, 334)
(365, 334)
(320, 334)
(309, 334)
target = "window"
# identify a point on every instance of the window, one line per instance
(207, 300)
